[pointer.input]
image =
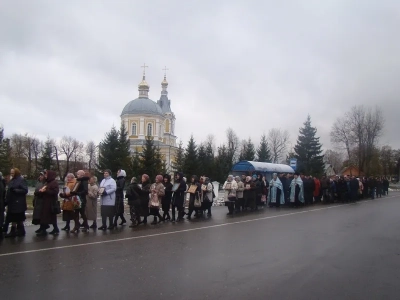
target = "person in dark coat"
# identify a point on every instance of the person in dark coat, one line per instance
(354, 188)
(178, 197)
(249, 193)
(38, 202)
(193, 197)
(119, 198)
(144, 198)
(16, 203)
(132, 193)
(82, 191)
(166, 201)
(308, 185)
(2, 203)
(49, 195)
(385, 183)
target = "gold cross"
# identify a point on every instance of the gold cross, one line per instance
(144, 68)
(165, 71)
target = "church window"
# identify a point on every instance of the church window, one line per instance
(167, 126)
(134, 129)
(149, 129)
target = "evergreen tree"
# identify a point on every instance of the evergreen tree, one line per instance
(190, 166)
(248, 151)
(202, 160)
(308, 151)
(135, 170)
(209, 161)
(223, 164)
(151, 162)
(5, 154)
(108, 153)
(178, 165)
(263, 152)
(123, 151)
(47, 155)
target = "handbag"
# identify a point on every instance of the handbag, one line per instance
(68, 205)
(197, 202)
(56, 208)
(76, 201)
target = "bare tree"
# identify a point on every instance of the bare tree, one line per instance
(91, 153)
(341, 134)
(233, 144)
(334, 158)
(17, 142)
(278, 141)
(67, 147)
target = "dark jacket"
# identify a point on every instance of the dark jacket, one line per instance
(2, 204)
(16, 195)
(166, 201)
(179, 195)
(132, 193)
(144, 198)
(37, 203)
(119, 195)
(83, 189)
(50, 198)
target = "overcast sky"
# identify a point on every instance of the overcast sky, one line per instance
(70, 67)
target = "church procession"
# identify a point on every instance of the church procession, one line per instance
(169, 196)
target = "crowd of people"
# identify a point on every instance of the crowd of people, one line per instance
(77, 201)
(295, 190)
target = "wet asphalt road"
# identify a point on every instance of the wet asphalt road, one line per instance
(322, 252)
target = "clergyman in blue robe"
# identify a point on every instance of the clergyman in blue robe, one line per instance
(296, 190)
(276, 195)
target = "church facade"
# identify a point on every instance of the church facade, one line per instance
(144, 118)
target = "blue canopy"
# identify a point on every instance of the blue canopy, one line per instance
(245, 166)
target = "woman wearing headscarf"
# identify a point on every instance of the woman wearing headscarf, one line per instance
(157, 192)
(230, 187)
(107, 189)
(38, 203)
(207, 198)
(178, 197)
(276, 194)
(119, 200)
(16, 203)
(68, 212)
(132, 193)
(194, 196)
(49, 194)
(166, 201)
(239, 194)
(81, 191)
(144, 198)
(91, 204)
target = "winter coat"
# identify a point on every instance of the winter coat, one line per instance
(230, 193)
(132, 193)
(119, 195)
(16, 195)
(110, 186)
(37, 204)
(240, 189)
(317, 187)
(144, 198)
(166, 201)
(91, 202)
(179, 195)
(157, 189)
(2, 204)
(50, 198)
(83, 190)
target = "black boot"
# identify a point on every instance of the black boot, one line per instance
(154, 221)
(12, 233)
(21, 229)
(123, 221)
(94, 225)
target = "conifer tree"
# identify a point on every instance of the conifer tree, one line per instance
(5, 154)
(150, 159)
(308, 151)
(210, 160)
(123, 150)
(263, 152)
(202, 160)
(178, 165)
(223, 164)
(248, 151)
(108, 153)
(135, 168)
(47, 155)
(190, 166)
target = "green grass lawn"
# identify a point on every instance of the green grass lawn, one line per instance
(29, 201)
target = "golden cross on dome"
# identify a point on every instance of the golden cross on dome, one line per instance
(144, 68)
(165, 71)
